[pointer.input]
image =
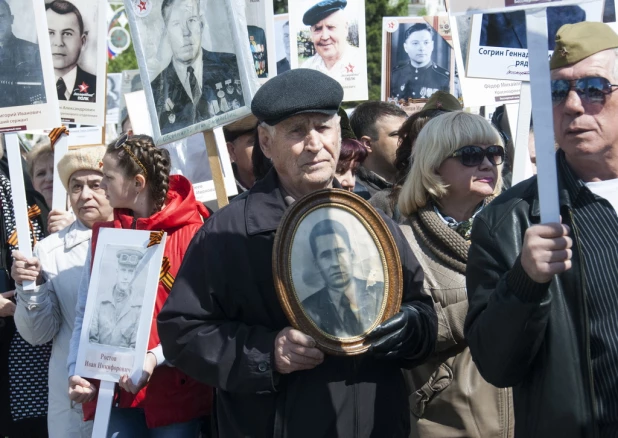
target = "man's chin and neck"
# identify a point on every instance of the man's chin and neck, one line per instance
(331, 59)
(593, 164)
(420, 64)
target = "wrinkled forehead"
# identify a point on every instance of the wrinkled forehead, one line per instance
(85, 176)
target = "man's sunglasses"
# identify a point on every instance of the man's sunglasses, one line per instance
(474, 155)
(589, 90)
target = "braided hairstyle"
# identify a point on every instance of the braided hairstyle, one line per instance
(155, 160)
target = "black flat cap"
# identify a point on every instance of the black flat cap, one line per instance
(297, 91)
(320, 11)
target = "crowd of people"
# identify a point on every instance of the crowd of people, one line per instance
(506, 327)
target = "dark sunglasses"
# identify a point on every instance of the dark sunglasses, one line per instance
(474, 155)
(591, 89)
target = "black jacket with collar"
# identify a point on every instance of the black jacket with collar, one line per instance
(530, 336)
(221, 319)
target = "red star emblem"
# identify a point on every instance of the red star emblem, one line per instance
(391, 25)
(83, 88)
(349, 68)
(142, 5)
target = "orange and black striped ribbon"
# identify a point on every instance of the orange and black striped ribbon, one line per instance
(155, 238)
(33, 212)
(56, 133)
(165, 277)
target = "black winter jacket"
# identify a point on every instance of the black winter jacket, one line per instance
(530, 336)
(222, 316)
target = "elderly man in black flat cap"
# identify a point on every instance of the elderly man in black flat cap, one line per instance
(329, 33)
(223, 324)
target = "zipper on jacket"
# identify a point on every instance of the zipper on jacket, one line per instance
(593, 402)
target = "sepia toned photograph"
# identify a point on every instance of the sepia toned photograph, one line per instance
(259, 15)
(337, 273)
(76, 33)
(336, 269)
(119, 306)
(195, 64)
(418, 59)
(331, 37)
(282, 37)
(121, 298)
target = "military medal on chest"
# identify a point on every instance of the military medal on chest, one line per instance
(223, 106)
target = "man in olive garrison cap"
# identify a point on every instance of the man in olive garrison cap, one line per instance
(224, 325)
(543, 298)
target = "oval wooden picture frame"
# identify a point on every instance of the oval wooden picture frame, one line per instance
(387, 252)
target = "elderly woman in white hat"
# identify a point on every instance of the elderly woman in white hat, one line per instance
(48, 312)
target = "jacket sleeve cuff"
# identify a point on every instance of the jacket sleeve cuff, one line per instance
(158, 354)
(30, 299)
(523, 287)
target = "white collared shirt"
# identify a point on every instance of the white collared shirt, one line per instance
(183, 75)
(69, 80)
(351, 55)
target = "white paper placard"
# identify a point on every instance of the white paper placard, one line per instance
(520, 128)
(498, 48)
(261, 29)
(111, 346)
(282, 37)
(459, 7)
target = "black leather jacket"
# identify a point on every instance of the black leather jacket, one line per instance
(532, 337)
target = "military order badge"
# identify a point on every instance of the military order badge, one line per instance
(118, 314)
(195, 63)
(77, 31)
(417, 59)
(330, 36)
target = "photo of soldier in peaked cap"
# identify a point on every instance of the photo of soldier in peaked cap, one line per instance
(423, 66)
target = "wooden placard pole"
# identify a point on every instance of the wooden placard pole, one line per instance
(20, 205)
(215, 168)
(104, 409)
(522, 168)
(542, 114)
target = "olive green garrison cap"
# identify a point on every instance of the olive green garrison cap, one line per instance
(578, 41)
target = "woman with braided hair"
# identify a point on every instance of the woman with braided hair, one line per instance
(456, 170)
(165, 402)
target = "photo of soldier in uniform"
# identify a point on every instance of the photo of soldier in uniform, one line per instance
(116, 319)
(21, 73)
(509, 29)
(337, 273)
(188, 63)
(259, 14)
(282, 35)
(421, 60)
(329, 36)
(68, 38)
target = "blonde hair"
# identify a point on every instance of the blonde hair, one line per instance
(438, 139)
(42, 149)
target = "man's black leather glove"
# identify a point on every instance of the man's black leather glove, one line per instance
(396, 337)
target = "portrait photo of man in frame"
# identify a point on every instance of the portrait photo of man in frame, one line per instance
(21, 72)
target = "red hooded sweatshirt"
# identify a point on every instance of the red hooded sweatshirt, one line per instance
(170, 396)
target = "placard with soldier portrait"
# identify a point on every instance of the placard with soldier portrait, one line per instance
(498, 46)
(27, 99)
(337, 270)
(417, 60)
(77, 34)
(121, 296)
(195, 63)
(282, 37)
(260, 16)
(459, 7)
(330, 36)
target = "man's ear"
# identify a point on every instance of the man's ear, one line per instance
(83, 40)
(230, 150)
(140, 182)
(266, 142)
(366, 141)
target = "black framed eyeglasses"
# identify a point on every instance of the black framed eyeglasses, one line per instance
(590, 90)
(474, 155)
